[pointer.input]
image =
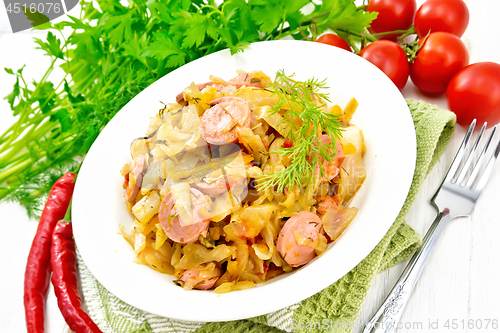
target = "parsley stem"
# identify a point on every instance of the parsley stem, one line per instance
(52, 93)
(33, 124)
(24, 82)
(304, 26)
(15, 131)
(33, 135)
(213, 46)
(315, 17)
(25, 113)
(6, 173)
(35, 119)
(49, 70)
(300, 29)
(8, 131)
(21, 155)
(21, 159)
(215, 10)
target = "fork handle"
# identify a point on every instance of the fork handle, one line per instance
(387, 317)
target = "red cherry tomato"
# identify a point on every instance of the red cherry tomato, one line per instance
(442, 15)
(440, 57)
(334, 40)
(390, 58)
(474, 92)
(392, 15)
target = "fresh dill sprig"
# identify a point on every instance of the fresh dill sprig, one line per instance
(307, 120)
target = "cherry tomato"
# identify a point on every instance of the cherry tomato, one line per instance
(334, 40)
(442, 15)
(474, 92)
(392, 15)
(390, 58)
(440, 57)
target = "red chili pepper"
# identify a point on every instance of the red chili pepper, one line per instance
(37, 274)
(63, 263)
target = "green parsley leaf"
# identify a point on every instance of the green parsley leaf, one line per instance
(159, 10)
(62, 116)
(52, 47)
(345, 15)
(199, 26)
(267, 14)
(44, 94)
(35, 17)
(165, 48)
(15, 93)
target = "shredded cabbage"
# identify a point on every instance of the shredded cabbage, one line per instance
(197, 254)
(181, 193)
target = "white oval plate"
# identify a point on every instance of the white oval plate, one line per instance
(98, 205)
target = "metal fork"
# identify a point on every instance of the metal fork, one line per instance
(456, 197)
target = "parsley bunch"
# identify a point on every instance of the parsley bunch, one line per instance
(112, 51)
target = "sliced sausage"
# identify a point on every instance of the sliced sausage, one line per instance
(170, 222)
(219, 124)
(244, 79)
(220, 186)
(325, 202)
(305, 224)
(133, 180)
(203, 279)
(332, 168)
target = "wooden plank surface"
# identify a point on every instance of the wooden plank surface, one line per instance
(458, 284)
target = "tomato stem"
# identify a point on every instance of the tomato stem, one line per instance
(363, 43)
(368, 37)
(412, 48)
(351, 43)
(408, 32)
(405, 33)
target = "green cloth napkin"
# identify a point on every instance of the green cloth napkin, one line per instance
(336, 308)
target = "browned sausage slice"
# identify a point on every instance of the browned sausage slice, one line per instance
(326, 202)
(171, 224)
(219, 123)
(305, 225)
(244, 79)
(332, 168)
(199, 279)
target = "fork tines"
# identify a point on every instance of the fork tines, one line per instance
(460, 172)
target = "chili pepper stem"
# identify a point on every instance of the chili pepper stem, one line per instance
(67, 216)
